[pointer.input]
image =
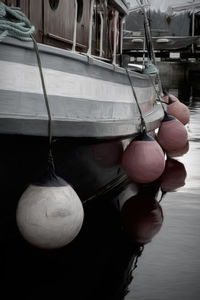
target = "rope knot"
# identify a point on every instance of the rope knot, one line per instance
(14, 23)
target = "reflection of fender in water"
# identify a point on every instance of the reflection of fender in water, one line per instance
(173, 176)
(141, 214)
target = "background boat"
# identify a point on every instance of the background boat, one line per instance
(175, 29)
(167, 43)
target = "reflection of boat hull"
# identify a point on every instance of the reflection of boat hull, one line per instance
(99, 261)
(160, 42)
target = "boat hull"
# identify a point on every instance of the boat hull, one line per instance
(94, 115)
(87, 97)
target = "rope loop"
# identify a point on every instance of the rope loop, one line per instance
(14, 23)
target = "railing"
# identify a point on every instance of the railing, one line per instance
(101, 34)
(115, 37)
(75, 24)
(101, 15)
(121, 34)
(89, 52)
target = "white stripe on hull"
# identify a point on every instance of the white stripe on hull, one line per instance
(25, 78)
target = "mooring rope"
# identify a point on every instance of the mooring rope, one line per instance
(152, 67)
(159, 98)
(14, 23)
(143, 124)
(50, 155)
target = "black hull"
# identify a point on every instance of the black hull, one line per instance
(87, 164)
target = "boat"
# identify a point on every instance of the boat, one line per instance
(160, 43)
(92, 114)
(167, 35)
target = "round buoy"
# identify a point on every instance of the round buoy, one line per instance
(178, 110)
(179, 152)
(143, 160)
(172, 134)
(141, 217)
(49, 214)
(173, 176)
(108, 154)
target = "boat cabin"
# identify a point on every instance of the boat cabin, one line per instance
(90, 26)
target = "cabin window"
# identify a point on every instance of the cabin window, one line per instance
(80, 10)
(54, 4)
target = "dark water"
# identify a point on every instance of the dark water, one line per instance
(169, 267)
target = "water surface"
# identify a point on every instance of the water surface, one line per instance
(169, 268)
